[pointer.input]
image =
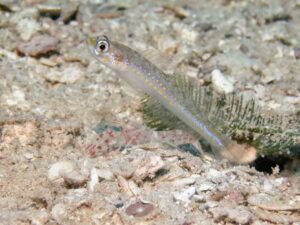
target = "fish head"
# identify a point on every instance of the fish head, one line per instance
(107, 52)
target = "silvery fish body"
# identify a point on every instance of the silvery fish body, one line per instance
(143, 75)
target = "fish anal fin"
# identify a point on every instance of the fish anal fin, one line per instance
(156, 116)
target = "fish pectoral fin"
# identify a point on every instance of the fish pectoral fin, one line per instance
(156, 116)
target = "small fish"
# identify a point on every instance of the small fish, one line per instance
(113, 137)
(143, 75)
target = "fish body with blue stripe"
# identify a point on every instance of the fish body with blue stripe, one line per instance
(145, 76)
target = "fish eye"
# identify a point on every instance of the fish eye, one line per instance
(102, 46)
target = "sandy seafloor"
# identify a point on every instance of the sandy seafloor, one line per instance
(53, 93)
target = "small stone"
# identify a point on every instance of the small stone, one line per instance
(6, 6)
(17, 98)
(273, 105)
(68, 74)
(28, 155)
(296, 53)
(212, 204)
(240, 215)
(167, 45)
(258, 199)
(192, 72)
(48, 10)
(178, 12)
(280, 181)
(78, 195)
(105, 174)
(268, 186)
(124, 185)
(94, 180)
(119, 205)
(216, 177)
(27, 28)
(49, 62)
(139, 209)
(25, 134)
(59, 169)
(187, 33)
(77, 54)
(217, 195)
(277, 31)
(199, 198)
(148, 168)
(206, 56)
(222, 83)
(108, 12)
(69, 11)
(218, 213)
(59, 212)
(40, 218)
(259, 222)
(184, 181)
(134, 188)
(38, 46)
(236, 197)
(186, 195)
(244, 48)
(213, 173)
(205, 186)
(74, 179)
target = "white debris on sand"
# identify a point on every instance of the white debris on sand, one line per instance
(222, 83)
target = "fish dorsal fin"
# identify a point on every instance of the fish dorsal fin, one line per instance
(166, 63)
(231, 115)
